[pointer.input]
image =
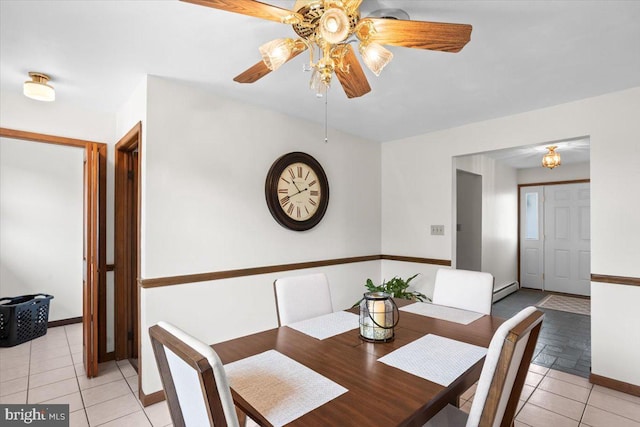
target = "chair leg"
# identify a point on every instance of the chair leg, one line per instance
(242, 417)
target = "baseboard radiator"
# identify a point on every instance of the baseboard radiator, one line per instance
(504, 290)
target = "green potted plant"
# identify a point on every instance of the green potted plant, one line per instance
(397, 288)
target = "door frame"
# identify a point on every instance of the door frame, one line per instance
(535, 184)
(123, 251)
(96, 186)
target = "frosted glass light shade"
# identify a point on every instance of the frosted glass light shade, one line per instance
(38, 89)
(551, 159)
(334, 25)
(276, 52)
(375, 57)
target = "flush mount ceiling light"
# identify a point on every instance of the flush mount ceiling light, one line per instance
(551, 159)
(327, 28)
(38, 88)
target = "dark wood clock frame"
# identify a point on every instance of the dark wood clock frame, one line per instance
(273, 200)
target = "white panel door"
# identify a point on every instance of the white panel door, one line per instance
(531, 237)
(567, 266)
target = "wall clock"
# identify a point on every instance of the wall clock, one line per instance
(297, 191)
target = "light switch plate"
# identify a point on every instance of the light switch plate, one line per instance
(437, 230)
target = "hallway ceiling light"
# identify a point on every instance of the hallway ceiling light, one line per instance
(551, 159)
(38, 88)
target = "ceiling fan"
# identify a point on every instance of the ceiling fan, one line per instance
(327, 28)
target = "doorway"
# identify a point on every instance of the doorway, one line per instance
(468, 221)
(555, 241)
(127, 245)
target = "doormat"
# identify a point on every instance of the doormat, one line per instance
(570, 304)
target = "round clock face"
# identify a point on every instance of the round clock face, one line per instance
(297, 191)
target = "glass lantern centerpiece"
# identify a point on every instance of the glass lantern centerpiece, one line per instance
(379, 315)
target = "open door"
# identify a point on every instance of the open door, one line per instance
(91, 260)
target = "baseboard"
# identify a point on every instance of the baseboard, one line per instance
(63, 322)
(615, 384)
(505, 290)
(150, 399)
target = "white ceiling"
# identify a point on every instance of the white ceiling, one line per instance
(571, 151)
(523, 55)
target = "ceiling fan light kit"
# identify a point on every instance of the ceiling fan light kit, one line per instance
(328, 27)
(38, 88)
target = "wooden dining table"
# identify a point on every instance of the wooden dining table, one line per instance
(378, 394)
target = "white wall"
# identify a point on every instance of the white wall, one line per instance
(205, 160)
(564, 172)
(417, 171)
(499, 216)
(41, 217)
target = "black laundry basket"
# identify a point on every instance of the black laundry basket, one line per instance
(23, 318)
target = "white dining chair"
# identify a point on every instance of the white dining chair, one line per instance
(194, 380)
(468, 290)
(503, 374)
(302, 297)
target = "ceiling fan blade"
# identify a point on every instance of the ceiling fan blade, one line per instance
(260, 69)
(418, 34)
(354, 82)
(251, 8)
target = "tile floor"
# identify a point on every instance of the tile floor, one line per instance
(564, 343)
(49, 369)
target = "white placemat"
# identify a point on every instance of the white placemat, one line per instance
(442, 312)
(437, 359)
(280, 388)
(327, 325)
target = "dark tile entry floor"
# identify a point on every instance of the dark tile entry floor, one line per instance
(564, 343)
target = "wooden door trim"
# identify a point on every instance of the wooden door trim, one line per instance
(102, 215)
(573, 181)
(129, 142)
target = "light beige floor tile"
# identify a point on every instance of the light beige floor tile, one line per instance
(158, 413)
(616, 405)
(469, 393)
(536, 416)
(77, 358)
(112, 409)
(17, 398)
(16, 351)
(596, 417)
(133, 384)
(13, 386)
(38, 366)
(126, 368)
(74, 400)
(78, 419)
(13, 362)
(565, 389)
(79, 367)
(533, 379)
(573, 379)
(48, 344)
(12, 374)
(521, 424)
(75, 348)
(526, 391)
(46, 353)
(102, 393)
(616, 393)
(558, 404)
(110, 374)
(52, 376)
(137, 419)
(520, 406)
(538, 369)
(52, 391)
